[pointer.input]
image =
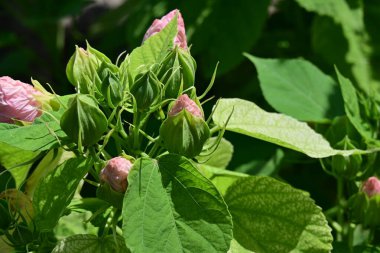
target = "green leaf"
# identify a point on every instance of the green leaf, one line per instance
(249, 119)
(152, 50)
(221, 178)
(237, 248)
(263, 167)
(54, 192)
(351, 105)
(220, 158)
(270, 216)
(74, 223)
(170, 207)
(329, 44)
(353, 28)
(36, 137)
(16, 161)
(219, 34)
(91, 244)
(50, 162)
(299, 89)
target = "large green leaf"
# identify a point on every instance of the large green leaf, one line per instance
(272, 217)
(221, 178)
(351, 105)
(249, 119)
(16, 161)
(73, 224)
(91, 244)
(266, 166)
(170, 207)
(237, 248)
(299, 89)
(54, 192)
(152, 50)
(219, 34)
(36, 137)
(329, 44)
(50, 162)
(351, 20)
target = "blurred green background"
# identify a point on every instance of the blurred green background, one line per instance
(37, 37)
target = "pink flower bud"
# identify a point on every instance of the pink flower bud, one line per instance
(17, 101)
(184, 102)
(159, 24)
(116, 172)
(371, 187)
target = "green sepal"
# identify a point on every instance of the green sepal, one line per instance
(84, 67)
(365, 210)
(346, 166)
(112, 89)
(105, 192)
(184, 134)
(83, 121)
(177, 68)
(146, 90)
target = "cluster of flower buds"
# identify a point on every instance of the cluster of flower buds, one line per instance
(91, 72)
(100, 84)
(365, 205)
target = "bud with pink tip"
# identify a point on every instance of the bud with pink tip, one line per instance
(159, 24)
(185, 103)
(18, 101)
(116, 172)
(371, 186)
(184, 132)
(364, 206)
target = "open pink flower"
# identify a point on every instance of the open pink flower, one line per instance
(17, 101)
(159, 24)
(116, 172)
(371, 186)
(184, 102)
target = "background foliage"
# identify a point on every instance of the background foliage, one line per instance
(38, 37)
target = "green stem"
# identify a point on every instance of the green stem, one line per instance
(153, 151)
(371, 235)
(139, 122)
(136, 127)
(350, 240)
(340, 214)
(109, 223)
(214, 130)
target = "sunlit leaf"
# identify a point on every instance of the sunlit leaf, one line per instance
(299, 89)
(249, 119)
(272, 217)
(171, 207)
